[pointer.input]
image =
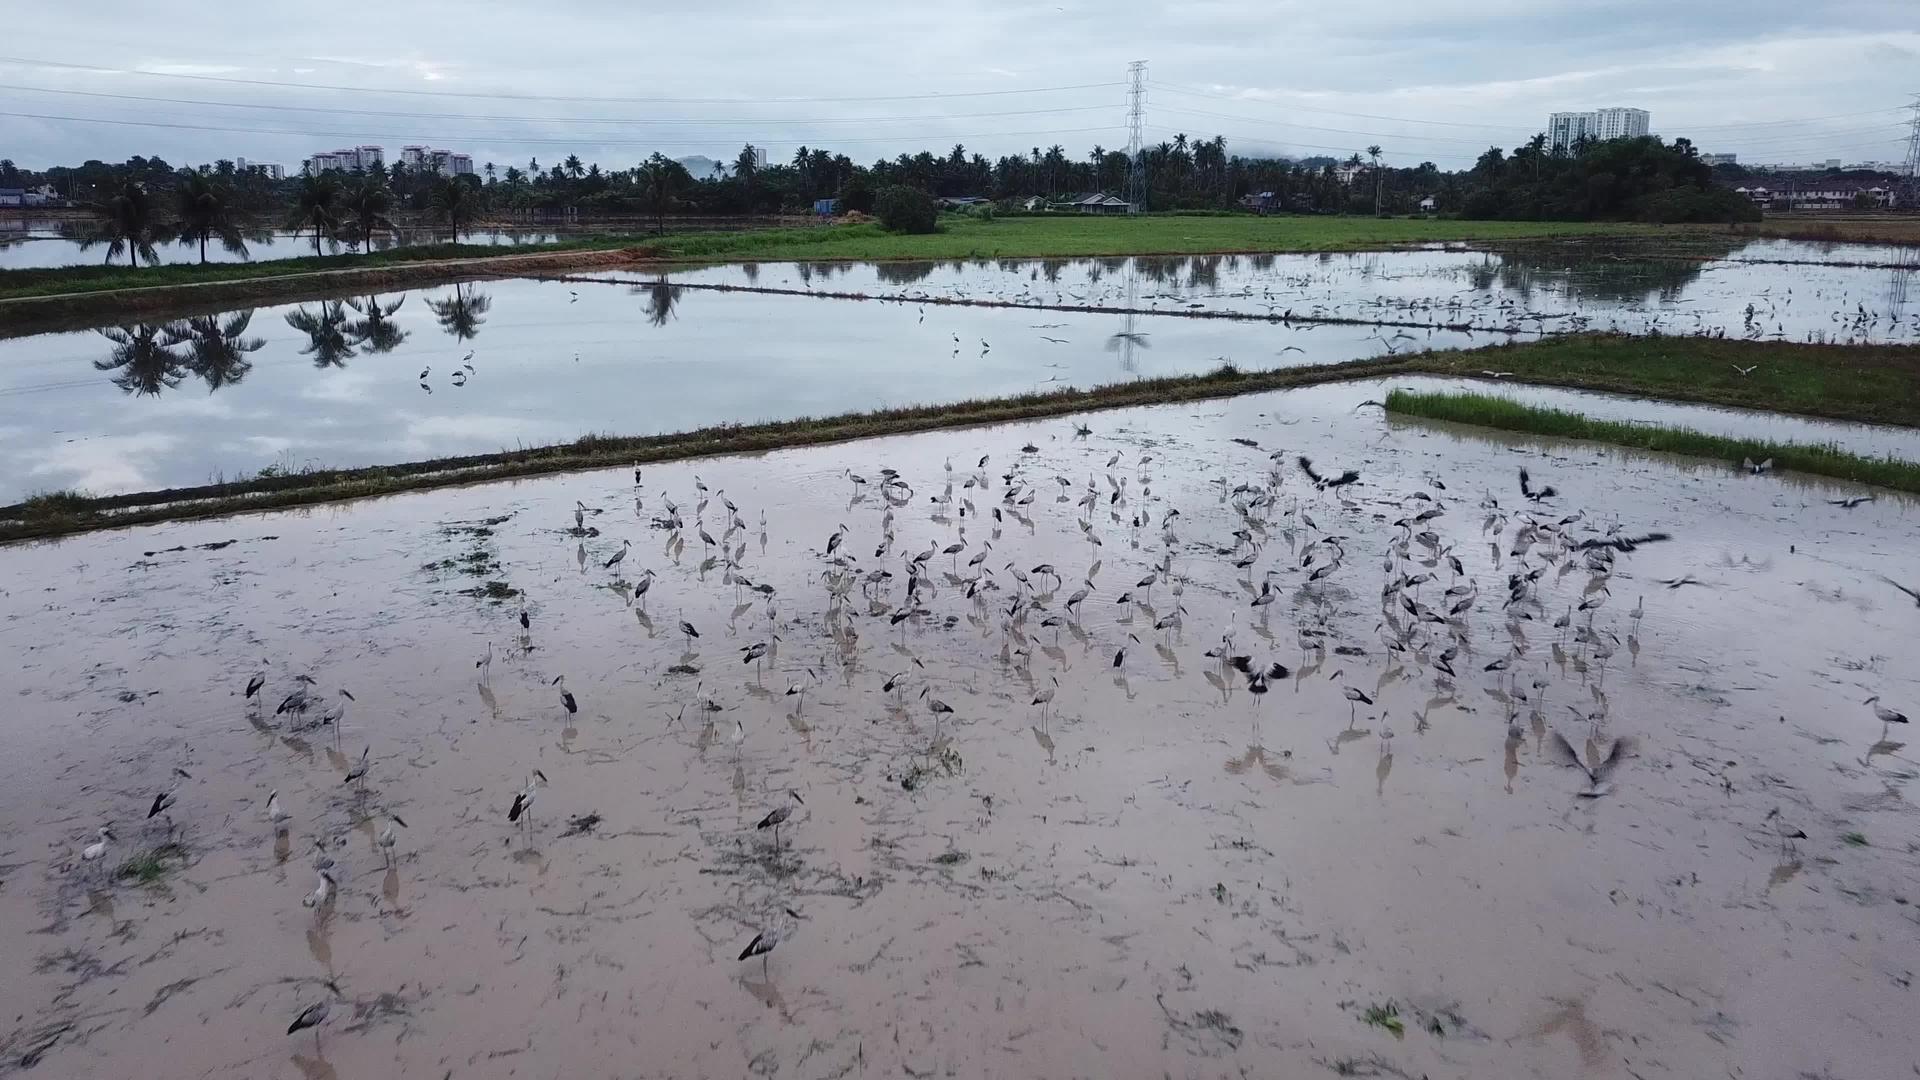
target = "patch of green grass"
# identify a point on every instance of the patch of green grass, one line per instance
(1857, 839)
(1067, 235)
(1871, 383)
(152, 865)
(1487, 410)
(1385, 1016)
(55, 505)
(495, 591)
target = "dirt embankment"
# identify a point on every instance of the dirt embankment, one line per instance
(80, 310)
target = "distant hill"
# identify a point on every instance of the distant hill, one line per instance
(699, 167)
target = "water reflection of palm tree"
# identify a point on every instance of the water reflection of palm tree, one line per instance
(327, 333)
(217, 346)
(462, 313)
(143, 358)
(662, 297)
(375, 330)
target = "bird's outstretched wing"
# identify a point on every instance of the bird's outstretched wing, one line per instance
(1622, 747)
(1343, 479)
(1526, 488)
(1562, 752)
(1243, 664)
(1278, 671)
(1902, 588)
(1306, 466)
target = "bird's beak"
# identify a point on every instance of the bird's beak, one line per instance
(541, 775)
(397, 820)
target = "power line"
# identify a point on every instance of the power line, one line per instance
(1335, 131)
(1504, 127)
(552, 119)
(662, 100)
(593, 140)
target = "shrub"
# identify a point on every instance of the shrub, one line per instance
(904, 209)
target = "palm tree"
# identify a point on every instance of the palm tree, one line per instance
(573, 167)
(454, 203)
(316, 206)
(205, 212)
(375, 330)
(217, 348)
(126, 223)
(144, 357)
(661, 181)
(366, 206)
(490, 174)
(1374, 153)
(326, 331)
(462, 313)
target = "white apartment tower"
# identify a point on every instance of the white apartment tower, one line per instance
(1619, 123)
(1565, 129)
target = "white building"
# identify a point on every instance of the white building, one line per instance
(441, 162)
(1620, 123)
(1566, 129)
(1720, 159)
(347, 159)
(270, 171)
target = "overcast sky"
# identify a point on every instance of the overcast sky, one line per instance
(1439, 80)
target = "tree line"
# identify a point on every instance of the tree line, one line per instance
(145, 201)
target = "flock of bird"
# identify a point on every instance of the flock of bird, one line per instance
(1287, 521)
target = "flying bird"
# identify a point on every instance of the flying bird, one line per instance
(1527, 490)
(1597, 775)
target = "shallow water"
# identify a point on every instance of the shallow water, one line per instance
(1163, 875)
(554, 361)
(1544, 288)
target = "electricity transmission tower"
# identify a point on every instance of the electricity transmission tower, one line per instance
(1910, 197)
(1136, 147)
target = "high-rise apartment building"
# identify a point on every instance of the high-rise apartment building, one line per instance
(1566, 129)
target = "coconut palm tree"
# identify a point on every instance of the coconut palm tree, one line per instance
(316, 206)
(217, 347)
(661, 181)
(1374, 153)
(375, 330)
(366, 206)
(205, 212)
(326, 329)
(143, 357)
(462, 313)
(126, 223)
(455, 203)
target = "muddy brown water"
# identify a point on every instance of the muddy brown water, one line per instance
(1164, 875)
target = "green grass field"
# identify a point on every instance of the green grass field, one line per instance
(1870, 383)
(959, 238)
(1074, 235)
(1494, 411)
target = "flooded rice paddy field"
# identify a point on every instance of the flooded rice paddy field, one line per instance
(1757, 291)
(367, 380)
(1158, 872)
(496, 365)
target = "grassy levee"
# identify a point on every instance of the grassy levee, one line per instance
(1506, 414)
(1867, 383)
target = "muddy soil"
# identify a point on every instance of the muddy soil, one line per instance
(1156, 872)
